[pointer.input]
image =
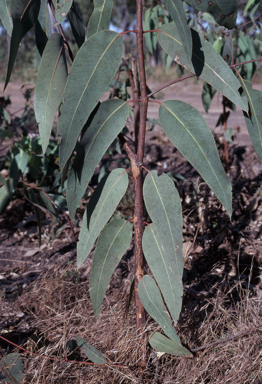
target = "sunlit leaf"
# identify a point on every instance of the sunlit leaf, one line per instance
(95, 65)
(178, 14)
(160, 343)
(12, 367)
(24, 14)
(224, 11)
(92, 353)
(113, 191)
(106, 124)
(152, 301)
(254, 117)
(62, 7)
(190, 134)
(100, 18)
(77, 26)
(50, 84)
(111, 245)
(5, 16)
(206, 62)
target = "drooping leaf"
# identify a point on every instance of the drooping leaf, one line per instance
(92, 353)
(62, 7)
(100, 18)
(18, 164)
(152, 301)
(5, 16)
(178, 14)
(160, 343)
(148, 35)
(50, 84)
(206, 62)
(24, 14)
(42, 29)
(12, 367)
(190, 134)
(111, 245)
(77, 25)
(245, 53)
(113, 191)
(107, 123)
(254, 117)
(95, 64)
(224, 11)
(6, 192)
(228, 53)
(208, 93)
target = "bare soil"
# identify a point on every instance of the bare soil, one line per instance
(45, 303)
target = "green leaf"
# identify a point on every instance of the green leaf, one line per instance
(152, 301)
(111, 246)
(92, 353)
(107, 123)
(224, 11)
(178, 14)
(206, 62)
(254, 117)
(245, 51)
(18, 164)
(12, 367)
(95, 65)
(148, 35)
(190, 134)
(62, 7)
(113, 191)
(77, 26)
(42, 29)
(160, 343)
(208, 93)
(6, 192)
(228, 53)
(50, 84)
(100, 18)
(5, 16)
(24, 14)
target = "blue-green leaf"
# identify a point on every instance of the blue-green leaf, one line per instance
(77, 26)
(100, 18)
(160, 343)
(62, 7)
(5, 16)
(92, 353)
(12, 367)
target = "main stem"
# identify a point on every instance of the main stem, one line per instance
(137, 173)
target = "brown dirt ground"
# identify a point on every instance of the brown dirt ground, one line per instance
(45, 304)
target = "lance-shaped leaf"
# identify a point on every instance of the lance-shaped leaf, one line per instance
(5, 16)
(111, 245)
(100, 18)
(6, 192)
(160, 343)
(206, 62)
(12, 367)
(164, 268)
(50, 84)
(113, 191)
(42, 29)
(190, 134)
(24, 14)
(92, 353)
(224, 11)
(107, 123)
(62, 7)
(77, 26)
(208, 93)
(152, 301)
(178, 14)
(95, 65)
(254, 117)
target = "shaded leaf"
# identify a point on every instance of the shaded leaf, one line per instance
(254, 117)
(62, 7)
(206, 62)
(228, 53)
(111, 245)
(12, 367)
(33, 199)
(77, 25)
(42, 29)
(18, 164)
(6, 192)
(5, 16)
(100, 18)
(92, 353)
(178, 14)
(106, 124)
(95, 64)
(113, 191)
(148, 35)
(208, 93)
(190, 134)
(24, 14)
(224, 11)
(160, 343)
(50, 84)
(152, 301)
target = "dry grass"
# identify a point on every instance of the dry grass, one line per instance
(59, 308)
